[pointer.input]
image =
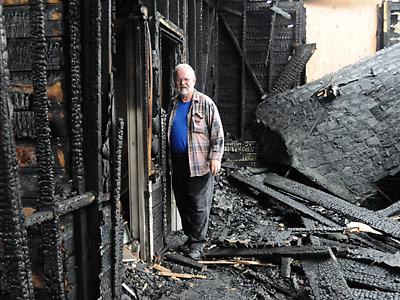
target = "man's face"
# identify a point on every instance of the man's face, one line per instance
(184, 82)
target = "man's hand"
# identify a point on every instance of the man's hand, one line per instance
(215, 166)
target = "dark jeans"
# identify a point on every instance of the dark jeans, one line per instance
(193, 197)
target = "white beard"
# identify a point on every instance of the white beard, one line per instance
(184, 92)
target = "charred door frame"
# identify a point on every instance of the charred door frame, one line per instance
(137, 145)
(175, 36)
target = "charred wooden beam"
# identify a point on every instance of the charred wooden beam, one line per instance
(273, 284)
(289, 251)
(324, 274)
(370, 276)
(374, 256)
(368, 294)
(390, 210)
(15, 272)
(282, 198)
(39, 217)
(75, 89)
(53, 264)
(192, 33)
(230, 10)
(360, 253)
(336, 204)
(243, 72)
(354, 142)
(291, 72)
(240, 51)
(92, 137)
(71, 204)
(182, 260)
(326, 279)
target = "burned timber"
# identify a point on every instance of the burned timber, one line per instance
(307, 206)
(265, 247)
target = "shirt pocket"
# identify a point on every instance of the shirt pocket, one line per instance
(199, 123)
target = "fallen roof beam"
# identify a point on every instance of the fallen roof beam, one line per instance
(390, 210)
(375, 256)
(292, 70)
(367, 294)
(336, 204)
(284, 199)
(286, 251)
(326, 279)
(362, 253)
(324, 274)
(370, 276)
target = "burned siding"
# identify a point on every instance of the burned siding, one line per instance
(341, 130)
(68, 218)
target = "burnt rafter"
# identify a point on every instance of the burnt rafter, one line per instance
(391, 210)
(284, 199)
(326, 279)
(336, 204)
(291, 72)
(287, 251)
(324, 274)
(240, 51)
(370, 276)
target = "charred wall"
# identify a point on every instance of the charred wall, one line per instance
(254, 44)
(61, 129)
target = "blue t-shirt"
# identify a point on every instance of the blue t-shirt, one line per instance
(178, 137)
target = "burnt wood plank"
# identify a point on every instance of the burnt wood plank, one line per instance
(324, 274)
(291, 72)
(326, 279)
(372, 295)
(289, 251)
(282, 198)
(53, 265)
(336, 204)
(370, 276)
(390, 210)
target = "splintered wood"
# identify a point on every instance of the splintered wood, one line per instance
(162, 271)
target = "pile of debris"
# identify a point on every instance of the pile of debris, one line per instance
(274, 238)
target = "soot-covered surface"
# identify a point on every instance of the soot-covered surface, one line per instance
(243, 218)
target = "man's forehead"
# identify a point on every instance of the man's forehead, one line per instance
(185, 72)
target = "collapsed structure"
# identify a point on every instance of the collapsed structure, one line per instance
(69, 68)
(341, 130)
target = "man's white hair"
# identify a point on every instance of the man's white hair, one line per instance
(184, 66)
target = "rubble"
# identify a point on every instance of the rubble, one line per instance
(263, 247)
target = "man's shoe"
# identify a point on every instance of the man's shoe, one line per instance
(195, 254)
(185, 248)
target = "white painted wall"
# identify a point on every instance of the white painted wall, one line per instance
(344, 31)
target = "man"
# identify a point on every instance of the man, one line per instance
(196, 141)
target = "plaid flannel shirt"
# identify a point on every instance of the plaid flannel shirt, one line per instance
(205, 133)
